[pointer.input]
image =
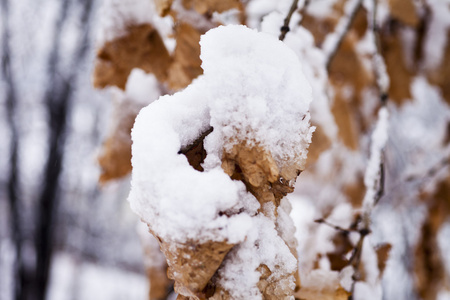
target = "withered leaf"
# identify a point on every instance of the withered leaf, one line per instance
(311, 294)
(404, 11)
(383, 252)
(142, 47)
(115, 155)
(210, 6)
(186, 57)
(163, 7)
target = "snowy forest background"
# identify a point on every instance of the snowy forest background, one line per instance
(65, 236)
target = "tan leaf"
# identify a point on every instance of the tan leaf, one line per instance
(309, 294)
(210, 6)
(400, 75)
(320, 143)
(355, 190)
(156, 268)
(345, 120)
(404, 11)
(163, 7)
(186, 57)
(441, 75)
(115, 155)
(383, 252)
(256, 168)
(350, 79)
(142, 47)
(430, 276)
(192, 264)
(342, 246)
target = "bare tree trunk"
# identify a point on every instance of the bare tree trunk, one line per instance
(19, 270)
(58, 100)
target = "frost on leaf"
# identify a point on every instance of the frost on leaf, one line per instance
(212, 164)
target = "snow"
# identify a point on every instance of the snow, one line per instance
(256, 10)
(301, 42)
(252, 90)
(443, 239)
(71, 279)
(379, 139)
(227, 17)
(154, 258)
(7, 265)
(321, 9)
(345, 277)
(142, 88)
(321, 280)
(436, 35)
(383, 80)
(262, 245)
(333, 39)
(117, 15)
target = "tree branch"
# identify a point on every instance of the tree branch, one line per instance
(285, 28)
(334, 40)
(338, 228)
(19, 269)
(382, 81)
(58, 99)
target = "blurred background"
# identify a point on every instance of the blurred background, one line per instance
(58, 228)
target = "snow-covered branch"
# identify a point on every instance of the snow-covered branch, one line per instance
(333, 40)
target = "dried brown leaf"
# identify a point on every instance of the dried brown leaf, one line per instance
(186, 57)
(345, 120)
(142, 47)
(115, 155)
(156, 269)
(404, 11)
(210, 6)
(430, 275)
(163, 7)
(192, 264)
(320, 143)
(311, 294)
(441, 76)
(383, 252)
(342, 247)
(400, 75)
(256, 168)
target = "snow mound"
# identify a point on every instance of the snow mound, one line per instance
(253, 90)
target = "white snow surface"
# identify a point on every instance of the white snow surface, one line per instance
(252, 89)
(379, 139)
(142, 88)
(238, 274)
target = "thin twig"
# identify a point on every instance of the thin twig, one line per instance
(285, 28)
(334, 40)
(382, 81)
(338, 228)
(431, 172)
